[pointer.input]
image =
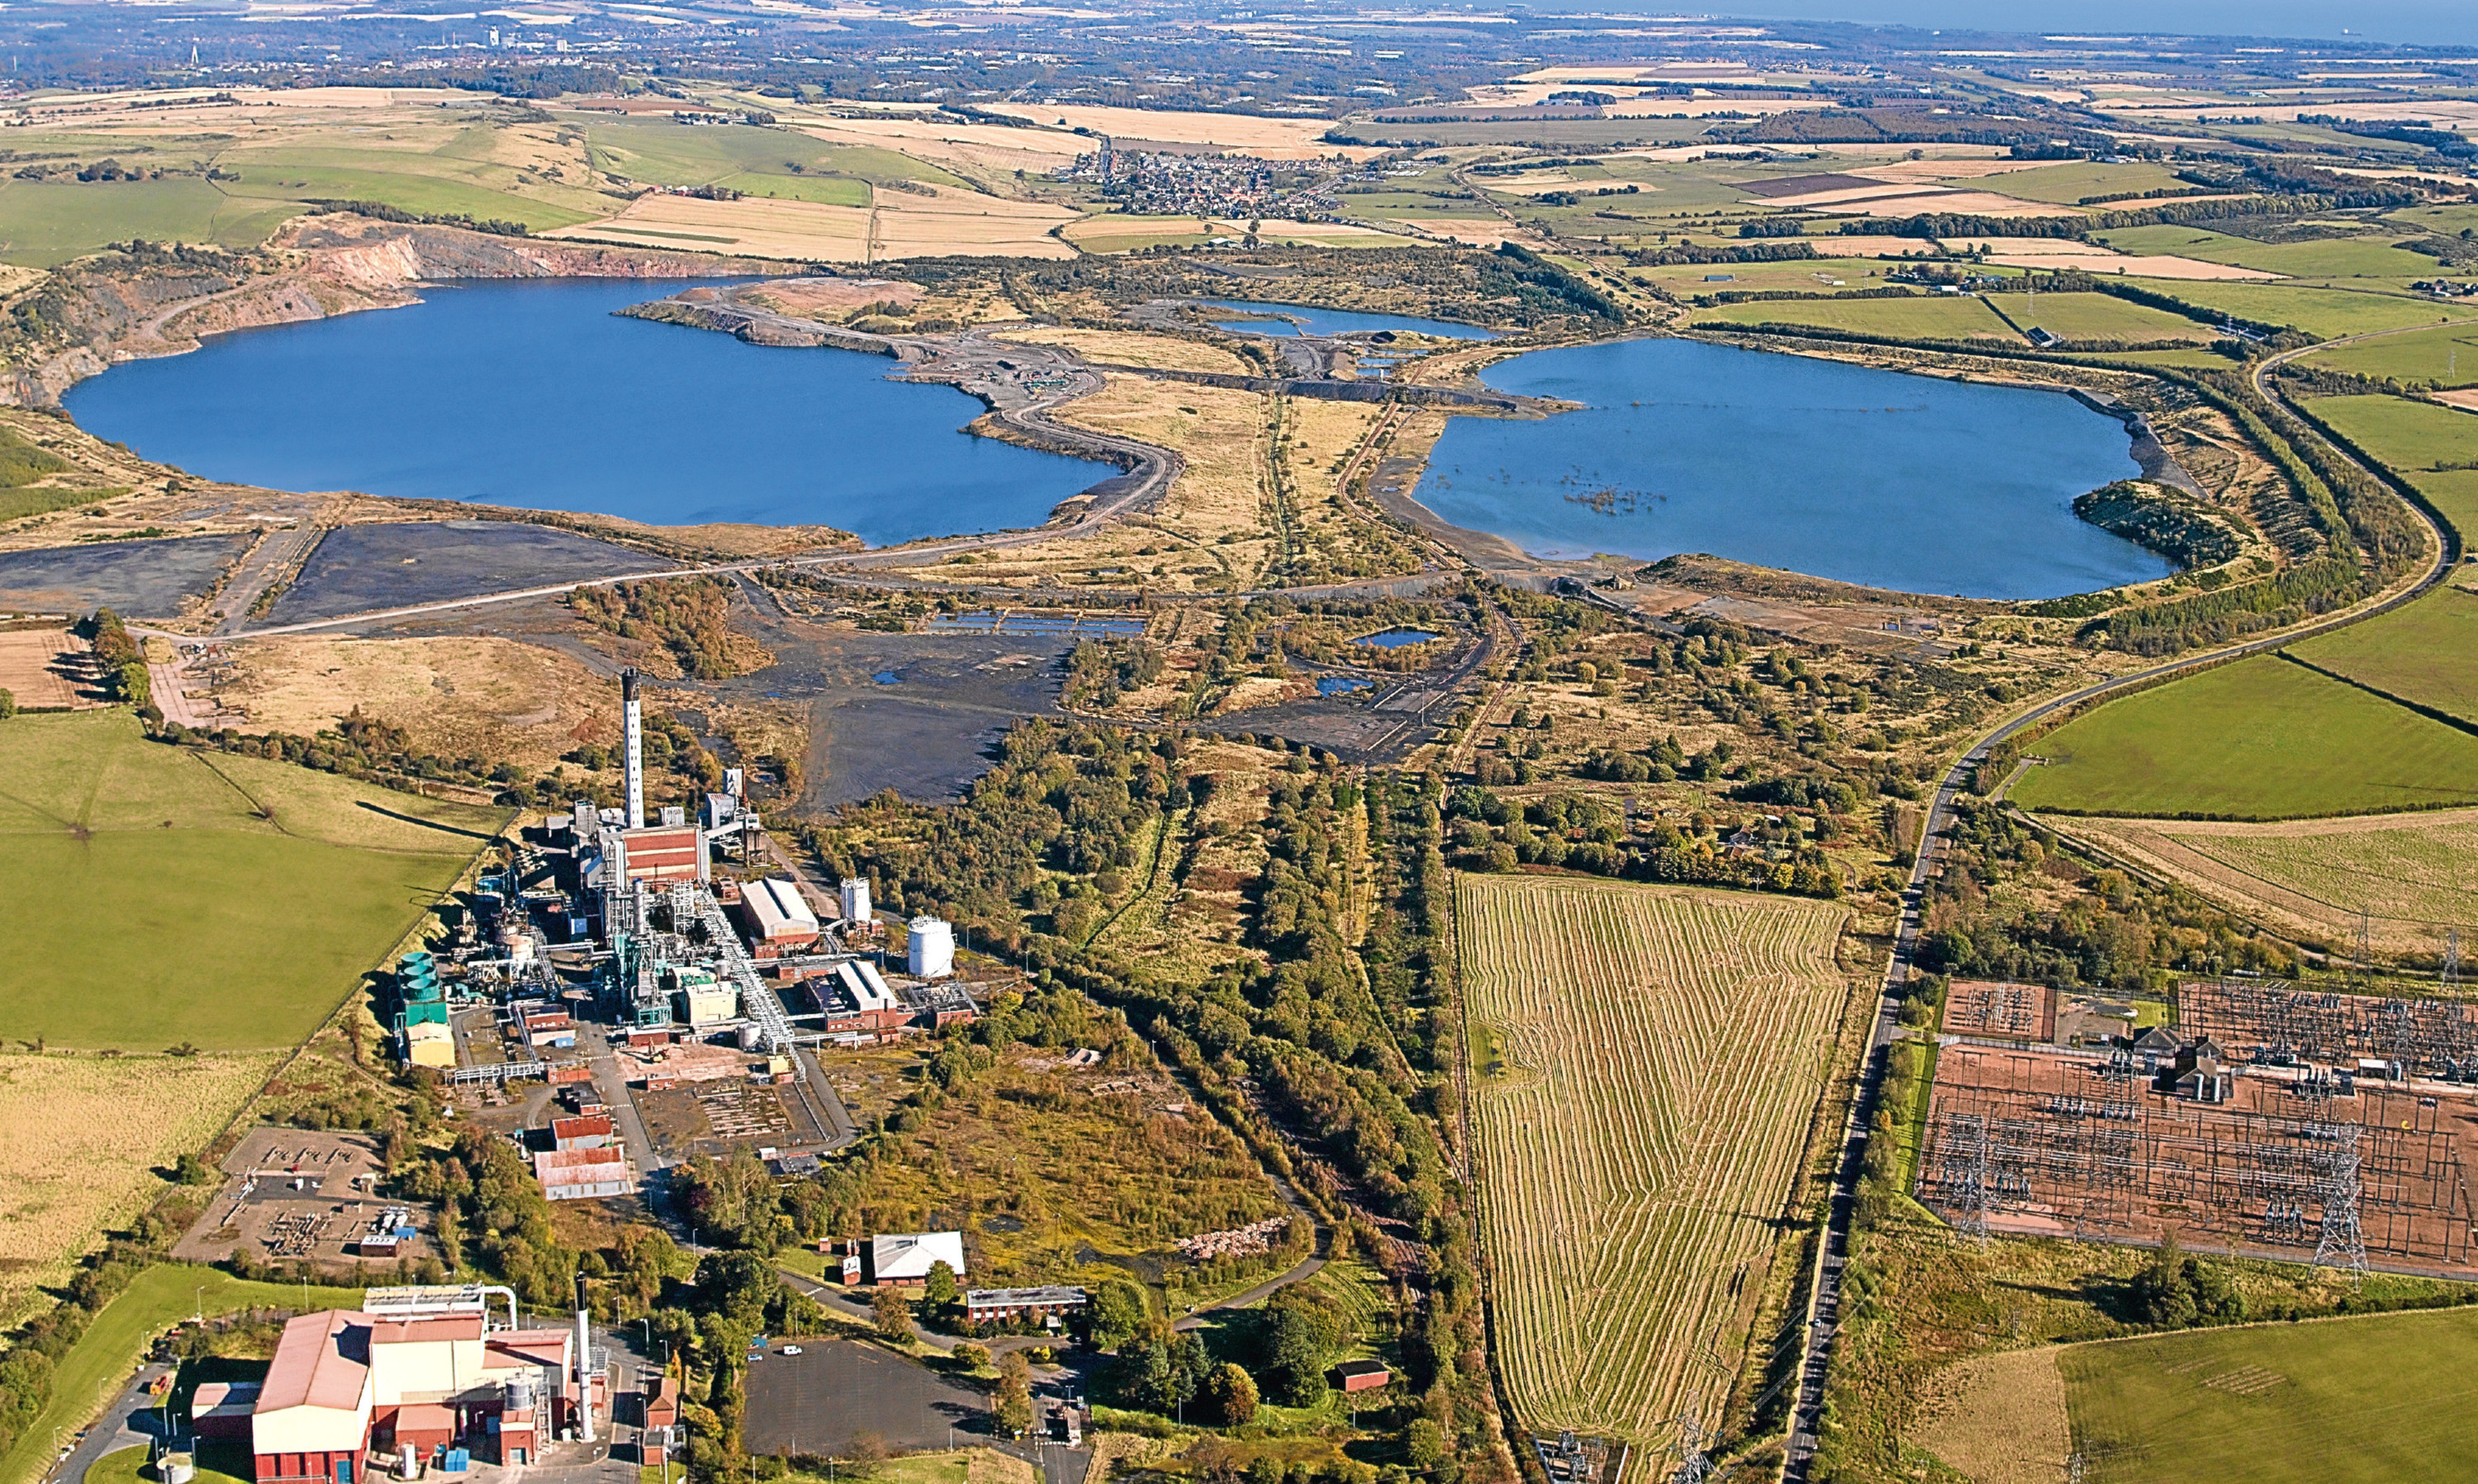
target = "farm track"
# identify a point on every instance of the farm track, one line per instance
(1664, 1054)
(1823, 1318)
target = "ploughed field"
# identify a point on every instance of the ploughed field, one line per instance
(1647, 1064)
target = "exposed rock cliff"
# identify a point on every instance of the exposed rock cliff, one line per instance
(158, 302)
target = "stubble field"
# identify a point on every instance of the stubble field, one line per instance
(86, 1134)
(1647, 1066)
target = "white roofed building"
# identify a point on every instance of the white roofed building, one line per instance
(905, 1258)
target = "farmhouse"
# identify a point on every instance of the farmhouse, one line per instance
(905, 1258)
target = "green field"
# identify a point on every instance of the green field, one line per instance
(46, 223)
(2427, 652)
(2099, 316)
(2262, 738)
(1941, 317)
(2410, 438)
(1806, 275)
(2377, 1400)
(164, 895)
(2333, 257)
(2446, 355)
(2328, 312)
(107, 1354)
(2063, 184)
(818, 189)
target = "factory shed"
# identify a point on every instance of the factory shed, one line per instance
(312, 1419)
(583, 1175)
(221, 1409)
(586, 1131)
(778, 917)
(905, 1258)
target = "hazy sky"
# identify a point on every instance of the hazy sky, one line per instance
(2433, 22)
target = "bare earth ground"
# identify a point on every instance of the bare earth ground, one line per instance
(1999, 1418)
(35, 668)
(491, 698)
(1179, 546)
(1120, 347)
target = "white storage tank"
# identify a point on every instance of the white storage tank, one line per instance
(931, 951)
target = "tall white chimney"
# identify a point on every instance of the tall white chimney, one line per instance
(633, 723)
(584, 1335)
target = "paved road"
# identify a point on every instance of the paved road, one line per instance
(1824, 1322)
(128, 1423)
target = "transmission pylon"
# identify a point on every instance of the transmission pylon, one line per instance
(2451, 975)
(2340, 1185)
(1693, 1467)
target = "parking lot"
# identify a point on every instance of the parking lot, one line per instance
(840, 1399)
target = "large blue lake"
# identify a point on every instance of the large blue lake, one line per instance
(1839, 471)
(534, 394)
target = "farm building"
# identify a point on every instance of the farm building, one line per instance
(345, 1383)
(777, 917)
(1362, 1375)
(991, 1305)
(584, 1174)
(905, 1258)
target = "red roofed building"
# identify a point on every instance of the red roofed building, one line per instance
(345, 1384)
(584, 1131)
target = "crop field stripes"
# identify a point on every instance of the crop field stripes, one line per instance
(1663, 1053)
(2057, 1143)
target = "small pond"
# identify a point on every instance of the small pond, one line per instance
(1309, 320)
(1342, 684)
(1395, 639)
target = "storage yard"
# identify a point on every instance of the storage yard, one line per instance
(2336, 1129)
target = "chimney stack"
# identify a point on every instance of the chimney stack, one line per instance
(633, 725)
(584, 1335)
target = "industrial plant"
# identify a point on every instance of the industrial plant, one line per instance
(678, 966)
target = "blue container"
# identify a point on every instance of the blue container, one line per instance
(458, 1461)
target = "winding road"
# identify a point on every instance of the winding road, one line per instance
(1823, 1320)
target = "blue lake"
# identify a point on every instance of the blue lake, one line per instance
(1312, 320)
(534, 394)
(1839, 471)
